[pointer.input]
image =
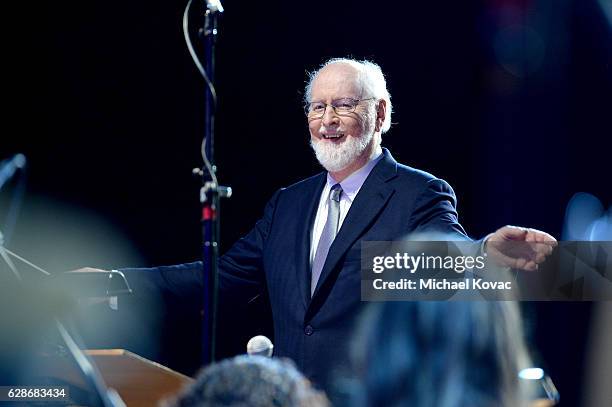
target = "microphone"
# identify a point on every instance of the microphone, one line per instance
(260, 346)
(9, 166)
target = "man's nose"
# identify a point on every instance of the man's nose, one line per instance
(329, 116)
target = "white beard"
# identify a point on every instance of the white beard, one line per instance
(336, 157)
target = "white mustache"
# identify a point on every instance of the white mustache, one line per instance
(330, 130)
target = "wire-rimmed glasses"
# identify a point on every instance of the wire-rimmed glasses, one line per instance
(341, 107)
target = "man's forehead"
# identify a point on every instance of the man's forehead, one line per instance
(337, 80)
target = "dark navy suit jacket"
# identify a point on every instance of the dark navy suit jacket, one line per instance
(395, 200)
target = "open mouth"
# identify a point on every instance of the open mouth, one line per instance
(332, 136)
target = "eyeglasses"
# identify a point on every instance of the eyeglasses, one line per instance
(341, 107)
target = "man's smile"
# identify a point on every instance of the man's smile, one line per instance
(332, 136)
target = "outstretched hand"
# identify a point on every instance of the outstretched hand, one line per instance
(92, 300)
(519, 247)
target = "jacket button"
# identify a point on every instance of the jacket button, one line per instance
(308, 330)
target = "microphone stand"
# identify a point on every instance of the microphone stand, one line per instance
(211, 192)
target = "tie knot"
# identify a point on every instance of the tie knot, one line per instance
(335, 193)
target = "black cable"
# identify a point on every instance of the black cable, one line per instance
(209, 84)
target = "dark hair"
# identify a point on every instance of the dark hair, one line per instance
(442, 354)
(250, 381)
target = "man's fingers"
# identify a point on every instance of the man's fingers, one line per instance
(512, 232)
(539, 236)
(506, 261)
(92, 300)
(521, 248)
(520, 263)
(499, 258)
(87, 270)
(543, 250)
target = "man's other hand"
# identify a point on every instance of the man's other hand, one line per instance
(519, 247)
(112, 301)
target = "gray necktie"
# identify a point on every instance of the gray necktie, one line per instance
(327, 236)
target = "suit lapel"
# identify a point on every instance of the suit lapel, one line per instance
(307, 210)
(372, 197)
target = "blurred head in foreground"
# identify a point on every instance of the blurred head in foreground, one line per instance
(251, 381)
(441, 354)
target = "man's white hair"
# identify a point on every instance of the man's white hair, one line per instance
(372, 81)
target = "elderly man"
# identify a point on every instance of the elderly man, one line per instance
(305, 250)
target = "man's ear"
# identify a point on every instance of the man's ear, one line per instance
(381, 110)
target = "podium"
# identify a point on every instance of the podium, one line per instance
(139, 381)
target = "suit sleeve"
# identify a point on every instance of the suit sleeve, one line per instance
(241, 273)
(436, 211)
(241, 268)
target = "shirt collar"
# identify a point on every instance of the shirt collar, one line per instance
(352, 184)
